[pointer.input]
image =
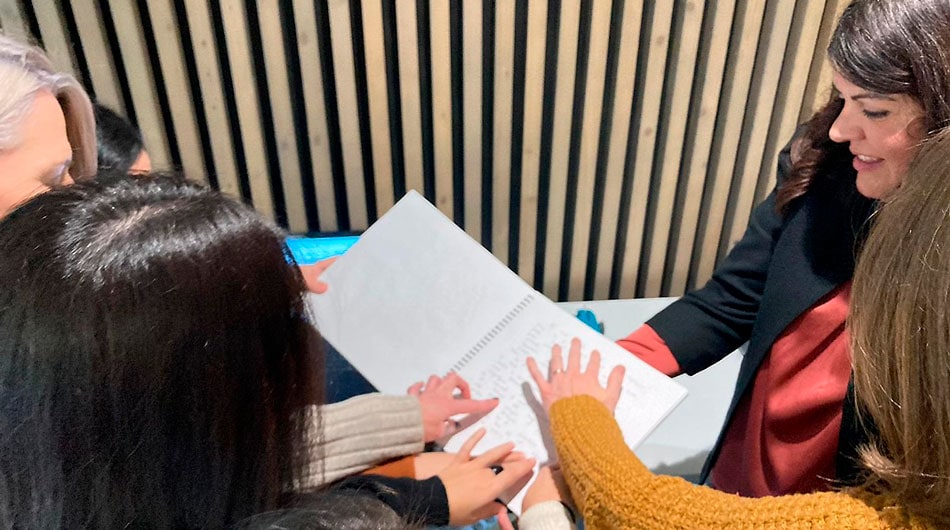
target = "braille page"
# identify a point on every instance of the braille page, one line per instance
(417, 296)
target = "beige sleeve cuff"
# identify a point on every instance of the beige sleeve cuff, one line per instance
(359, 433)
(548, 515)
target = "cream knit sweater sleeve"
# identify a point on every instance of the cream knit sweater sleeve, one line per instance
(613, 489)
(359, 433)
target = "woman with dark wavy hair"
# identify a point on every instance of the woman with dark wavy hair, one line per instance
(157, 368)
(900, 336)
(785, 286)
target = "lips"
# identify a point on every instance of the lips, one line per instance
(865, 162)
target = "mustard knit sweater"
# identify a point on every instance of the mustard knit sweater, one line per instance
(614, 490)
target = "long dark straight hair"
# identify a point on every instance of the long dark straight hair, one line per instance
(887, 47)
(154, 358)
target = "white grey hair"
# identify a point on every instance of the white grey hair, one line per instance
(25, 70)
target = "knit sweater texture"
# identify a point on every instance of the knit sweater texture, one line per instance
(354, 435)
(614, 490)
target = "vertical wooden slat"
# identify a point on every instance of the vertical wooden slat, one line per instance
(171, 58)
(342, 39)
(315, 108)
(755, 140)
(794, 77)
(102, 71)
(248, 105)
(138, 68)
(736, 88)
(278, 87)
(531, 139)
(442, 103)
(718, 147)
(701, 138)
(563, 103)
(676, 110)
(646, 143)
(11, 20)
(205, 53)
(622, 113)
(53, 30)
(378, 103)
(410, 95)
(819, 76)
(590, 140)
(501, 148)
(472, 101)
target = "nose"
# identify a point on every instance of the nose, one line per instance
(844, 129)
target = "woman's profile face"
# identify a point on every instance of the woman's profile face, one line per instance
(41, 158)
(884, 132)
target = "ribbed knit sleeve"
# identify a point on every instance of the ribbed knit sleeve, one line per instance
(359, 433)
(548, 515)
(613, 489)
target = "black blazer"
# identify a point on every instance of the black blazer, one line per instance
(780, 268)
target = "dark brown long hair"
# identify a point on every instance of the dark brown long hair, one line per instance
(887, 47)
(154, 354)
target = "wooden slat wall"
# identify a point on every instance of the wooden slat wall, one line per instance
(601, 148)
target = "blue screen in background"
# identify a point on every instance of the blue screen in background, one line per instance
(307, 250)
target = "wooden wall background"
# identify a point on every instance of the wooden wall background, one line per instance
(600, 148)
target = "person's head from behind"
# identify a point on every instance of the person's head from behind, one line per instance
(47, 133)
(892, 82)
(120, 146)
(900, 328)
(155, 350)
(330, 510)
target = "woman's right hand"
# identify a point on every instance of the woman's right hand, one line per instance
(474, 488)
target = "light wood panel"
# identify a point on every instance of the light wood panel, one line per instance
(701, 98)
(502, 157)
(248, 103)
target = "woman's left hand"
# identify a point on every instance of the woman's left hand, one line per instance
(571, 381)
(311, 275)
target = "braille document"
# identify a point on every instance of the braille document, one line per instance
(417, 296)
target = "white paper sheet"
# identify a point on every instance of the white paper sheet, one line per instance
(416, 296)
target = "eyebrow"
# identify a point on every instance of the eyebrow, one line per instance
(872, 95)
(867, 95)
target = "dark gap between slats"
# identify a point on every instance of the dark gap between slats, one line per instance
(158, 79)
(458, 115)
(603, 145)
(298, 108)
(79, 53)
(516, 153)
(573, 161)
(362, 106)
(333, 115)
(267, 115)
(393, 91)
(424, 50)
(488, 121)
(552, 38)
(32, 23)
(112, 39)
(197, 97)
(227, 85)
